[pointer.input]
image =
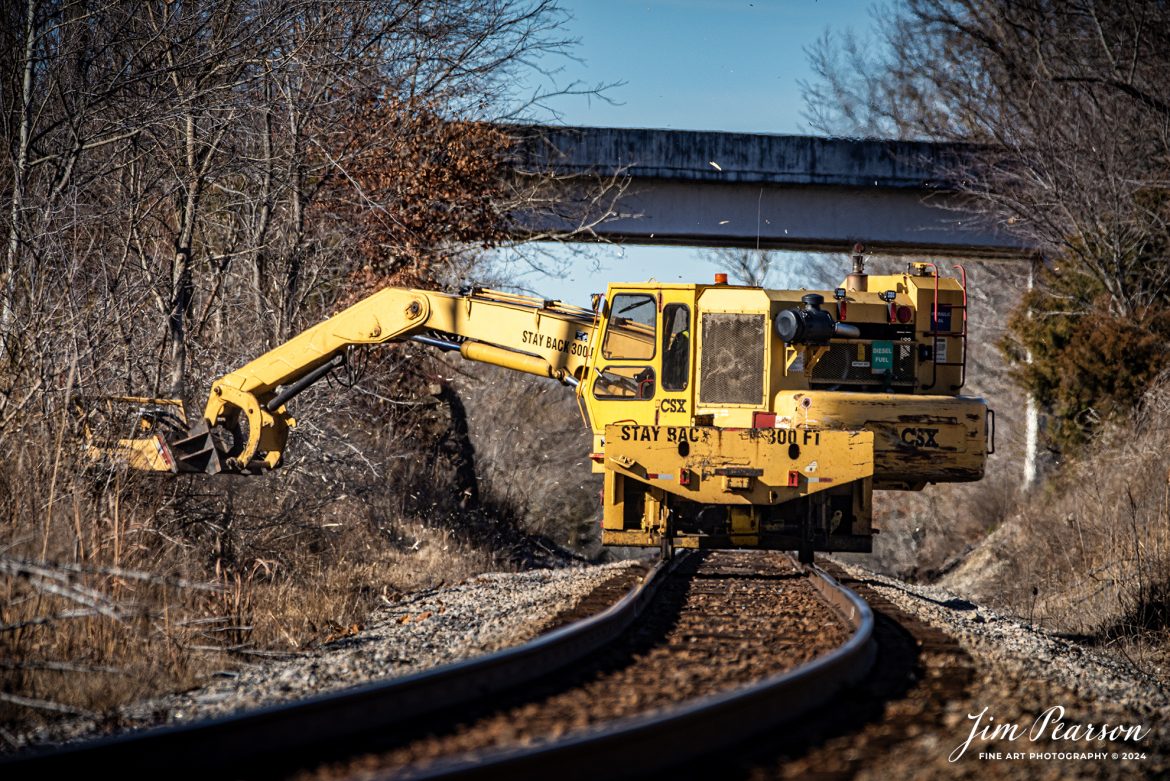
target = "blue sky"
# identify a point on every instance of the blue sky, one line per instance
(730, 65)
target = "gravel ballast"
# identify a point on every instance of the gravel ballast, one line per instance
(1022, 673)
(1012, 669)
(424, 630)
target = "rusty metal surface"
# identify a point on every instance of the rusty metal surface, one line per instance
(657, 737)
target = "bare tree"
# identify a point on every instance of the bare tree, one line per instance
(1067, 110)
(184, 185)
(777, 269)
(1068, 103)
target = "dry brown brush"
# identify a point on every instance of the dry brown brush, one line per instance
(185, 186)
(532, 453)
(1089, 554)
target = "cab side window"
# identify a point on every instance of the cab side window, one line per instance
(632, 326)
(630, 337)
(676, 346)
(624, 382)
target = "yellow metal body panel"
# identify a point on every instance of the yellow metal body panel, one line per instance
(146, 452)
(917, 439)
(723, 300)
(738, 466)
(654, 402)
(867, 388)
(782, 367)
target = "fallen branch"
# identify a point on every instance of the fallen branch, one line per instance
(7, 563)
(40, 620)
(67, 667)
(54, 707)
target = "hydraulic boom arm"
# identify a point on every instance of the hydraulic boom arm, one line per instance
(245, 424)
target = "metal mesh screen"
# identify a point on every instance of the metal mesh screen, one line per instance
(733, 359)
(843, 365)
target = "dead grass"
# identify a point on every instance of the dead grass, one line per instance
(96, 606)
(330, 596)
(1089, 553)
(103, 608)
(116, 586)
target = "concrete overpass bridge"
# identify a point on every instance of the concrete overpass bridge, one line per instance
(767, 191)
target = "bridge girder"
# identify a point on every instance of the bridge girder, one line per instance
(769, 192)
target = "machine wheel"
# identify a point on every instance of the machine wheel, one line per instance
(666, 545)
(804, 553)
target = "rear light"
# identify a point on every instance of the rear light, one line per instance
(763, 420)
(905, 314)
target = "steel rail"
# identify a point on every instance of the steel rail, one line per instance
(262, 740)
(646, 744)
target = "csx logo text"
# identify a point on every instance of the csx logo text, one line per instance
(673, 405)
(920, 437)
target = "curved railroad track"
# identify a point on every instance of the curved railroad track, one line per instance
(705, 652)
